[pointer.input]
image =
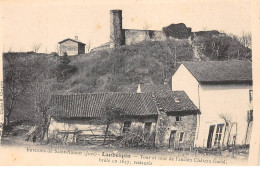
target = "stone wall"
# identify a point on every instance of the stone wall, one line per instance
(167, 123)
(105, 46)
(70, 47)
(133, 36)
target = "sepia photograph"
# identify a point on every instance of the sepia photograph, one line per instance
(133, 83)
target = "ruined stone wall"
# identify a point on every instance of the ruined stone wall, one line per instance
(133, 36)
(70, 47)
(166, 124)
(105, 46)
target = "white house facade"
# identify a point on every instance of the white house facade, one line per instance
(222, 90)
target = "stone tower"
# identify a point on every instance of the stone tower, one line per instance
(116, 31)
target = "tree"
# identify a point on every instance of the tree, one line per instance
(246, 40)
(65, 60)
(112, 113)
(88, 46)
(36, 47)
(15, 80)
(146, 29)
(204, 28)
(64, 69)
(40, 91)
(249, 120)
(227, 119)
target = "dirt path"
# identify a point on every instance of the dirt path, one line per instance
(198, 55)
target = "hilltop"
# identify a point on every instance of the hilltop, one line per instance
(145, 62)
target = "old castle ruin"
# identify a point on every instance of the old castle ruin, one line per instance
(120, 36)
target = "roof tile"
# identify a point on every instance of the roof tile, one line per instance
(232, 72)
(132, 104)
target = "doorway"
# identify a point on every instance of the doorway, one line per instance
(172, 138)
(210, 136)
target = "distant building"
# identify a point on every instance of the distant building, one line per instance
(222, 90)
(71, 47)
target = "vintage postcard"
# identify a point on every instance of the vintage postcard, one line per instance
(130, 83)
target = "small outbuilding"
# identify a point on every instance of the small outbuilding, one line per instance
(71, 47)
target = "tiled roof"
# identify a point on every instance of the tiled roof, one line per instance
(133, 104)
(176, 101)
(145, 88)
(221, 72)
(80, 105)
(71, 40)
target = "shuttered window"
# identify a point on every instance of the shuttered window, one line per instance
(218, 134)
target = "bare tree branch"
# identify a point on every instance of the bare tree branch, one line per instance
(36, 47)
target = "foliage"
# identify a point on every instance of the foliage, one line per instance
(16, 77)
(64, 69)
(112, 113)
(136, 137)
(222, 48)
(28, 80)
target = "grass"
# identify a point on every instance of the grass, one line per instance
(146, 62)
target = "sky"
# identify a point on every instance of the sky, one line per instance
(46, 22)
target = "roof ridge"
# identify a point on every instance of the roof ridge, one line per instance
(233, 71)
(77, 41)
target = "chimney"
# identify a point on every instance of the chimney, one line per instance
(165, 82)
(138, 88)
(76, 38)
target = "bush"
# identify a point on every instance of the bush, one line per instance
(137, 138)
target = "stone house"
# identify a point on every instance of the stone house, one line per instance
(168, 118)
(71, 47)
(222, 90)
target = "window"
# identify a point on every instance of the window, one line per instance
(178, 118)
(181, 136)
(249, 116)
(147, 127)
(218, 134)
(127, 126)
(250, 95)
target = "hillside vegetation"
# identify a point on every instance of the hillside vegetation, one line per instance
(147, 62)
(34, 77)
